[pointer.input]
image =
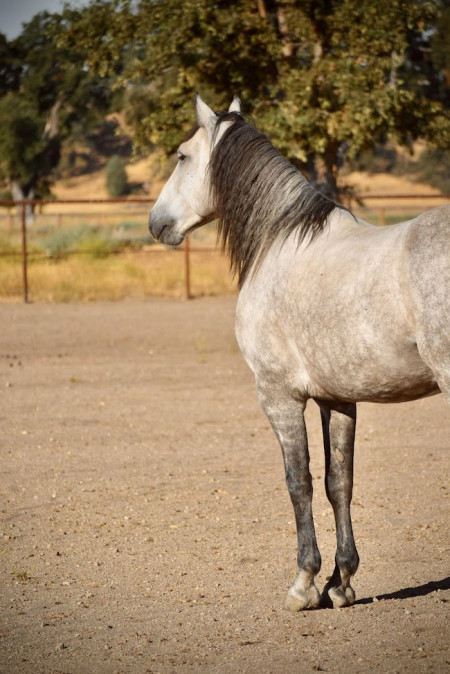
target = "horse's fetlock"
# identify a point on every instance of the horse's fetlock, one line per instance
(347, 561)
(310, 563)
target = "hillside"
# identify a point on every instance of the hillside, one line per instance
(93, 184)
(146, 178)
(142, 173)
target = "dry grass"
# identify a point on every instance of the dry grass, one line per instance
(148, 272)
(139, 274)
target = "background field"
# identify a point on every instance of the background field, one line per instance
(145, 522)
(86, 252)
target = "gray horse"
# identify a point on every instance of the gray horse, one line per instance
(330, 308)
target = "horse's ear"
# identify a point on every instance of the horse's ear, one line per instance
(235, 105)
(203, 112)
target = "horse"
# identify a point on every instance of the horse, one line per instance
(330, 308)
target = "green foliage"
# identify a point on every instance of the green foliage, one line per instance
(9, 67)
(56, 75)
(61, 242)
(45, 89)
(315, 74)
(321, 78)
(22, 148)
(96, 246)
(116, 177)
(440, 54)
(93, 243)
(81, 240)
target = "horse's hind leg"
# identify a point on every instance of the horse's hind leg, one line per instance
(338, 423)
(286, 417)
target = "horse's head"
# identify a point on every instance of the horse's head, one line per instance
(185, 202)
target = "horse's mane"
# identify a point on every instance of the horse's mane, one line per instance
(259, 194)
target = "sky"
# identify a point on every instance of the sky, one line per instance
(15, 12)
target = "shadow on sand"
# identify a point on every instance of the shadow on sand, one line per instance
(408, 592)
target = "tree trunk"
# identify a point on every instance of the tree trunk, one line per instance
(262, 8)
(287, 46)
(21, 193)
(52, 125)
(323, 169)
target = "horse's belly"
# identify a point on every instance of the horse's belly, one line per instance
(318, 369)
(380, 391)
(395, 380)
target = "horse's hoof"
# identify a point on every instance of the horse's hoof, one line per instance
(299, 601)
(341, 597)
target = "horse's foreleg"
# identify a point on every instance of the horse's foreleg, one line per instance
(338, 423)
(286, 417)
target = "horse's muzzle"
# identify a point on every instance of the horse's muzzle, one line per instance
(154, 227)
(164, 230)
(157, 226)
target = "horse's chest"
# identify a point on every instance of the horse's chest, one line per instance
(268, 348)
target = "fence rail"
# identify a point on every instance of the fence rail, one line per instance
(22, 206)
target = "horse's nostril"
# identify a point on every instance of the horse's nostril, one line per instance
(160, 236)
(154, 227)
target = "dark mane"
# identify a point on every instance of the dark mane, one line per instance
(259, 194)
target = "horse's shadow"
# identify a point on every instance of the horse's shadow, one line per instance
(409, 592)
(404, 593)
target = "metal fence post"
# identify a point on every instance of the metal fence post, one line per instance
(24, 253)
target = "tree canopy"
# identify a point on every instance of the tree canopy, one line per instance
(44, 90)
(323, 78)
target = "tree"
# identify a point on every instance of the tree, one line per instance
(9, 67)
(319, 76)
(116, 177)
(440, 54)
(44, 91)
(27, 153)
(322, 77)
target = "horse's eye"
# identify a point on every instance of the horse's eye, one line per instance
(181, 156)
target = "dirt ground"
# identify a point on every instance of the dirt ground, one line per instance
(145, 522)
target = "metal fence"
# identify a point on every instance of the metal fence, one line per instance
(22, 212)
(383, 208)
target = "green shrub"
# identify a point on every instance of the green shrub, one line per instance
(116, 177)
(60, 242)
(99, 245)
